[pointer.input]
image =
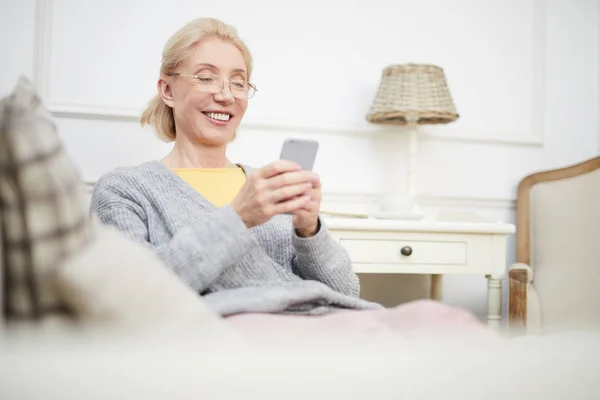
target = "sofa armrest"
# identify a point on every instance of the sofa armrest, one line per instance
(524, 309)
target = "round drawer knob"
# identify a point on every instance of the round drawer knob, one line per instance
(406, 251)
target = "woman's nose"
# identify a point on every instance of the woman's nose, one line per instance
(224, 95)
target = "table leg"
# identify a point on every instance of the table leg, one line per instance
(494, 302)
(436, 287)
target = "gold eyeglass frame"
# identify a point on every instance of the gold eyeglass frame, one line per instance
(253, 86)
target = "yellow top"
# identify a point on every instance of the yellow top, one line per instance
(217, 185)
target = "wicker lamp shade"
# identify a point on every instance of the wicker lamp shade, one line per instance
(412, 91)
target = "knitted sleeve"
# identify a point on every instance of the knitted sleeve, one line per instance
(198, 253)
(321, 258)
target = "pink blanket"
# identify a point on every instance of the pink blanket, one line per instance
(417, 319)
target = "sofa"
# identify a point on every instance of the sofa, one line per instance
(74, 328)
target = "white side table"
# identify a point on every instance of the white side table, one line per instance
(428, 247)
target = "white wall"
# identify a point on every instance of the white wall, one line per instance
(525, 76)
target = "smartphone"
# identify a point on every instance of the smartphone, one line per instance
(301, 151)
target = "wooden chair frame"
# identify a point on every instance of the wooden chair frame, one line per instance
(518, 277)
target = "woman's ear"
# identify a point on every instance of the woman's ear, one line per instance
(165, 92)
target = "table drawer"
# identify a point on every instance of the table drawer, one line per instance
(376, 251)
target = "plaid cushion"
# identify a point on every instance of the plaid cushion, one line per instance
(41, 202)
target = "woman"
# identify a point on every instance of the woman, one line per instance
(249, 241)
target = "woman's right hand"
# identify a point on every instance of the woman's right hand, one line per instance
(279, 187)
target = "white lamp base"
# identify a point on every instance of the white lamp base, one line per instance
(404, 206)
(411, 179)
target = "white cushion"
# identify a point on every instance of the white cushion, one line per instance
(120, 284)
(565, 251)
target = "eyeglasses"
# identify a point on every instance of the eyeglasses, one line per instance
(211, 83)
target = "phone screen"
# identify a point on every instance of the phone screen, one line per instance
(301, 151)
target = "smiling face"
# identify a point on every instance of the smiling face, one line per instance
(202, 117)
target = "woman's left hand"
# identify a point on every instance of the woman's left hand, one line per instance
(306, 219)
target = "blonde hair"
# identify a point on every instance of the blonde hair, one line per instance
(176, 49)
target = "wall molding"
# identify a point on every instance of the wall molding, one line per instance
(535, 138)
(106, 113)
(42, 47)
(427, 200)
(539, 71)
(467, 202)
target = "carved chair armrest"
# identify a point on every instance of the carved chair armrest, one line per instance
(524, 313)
